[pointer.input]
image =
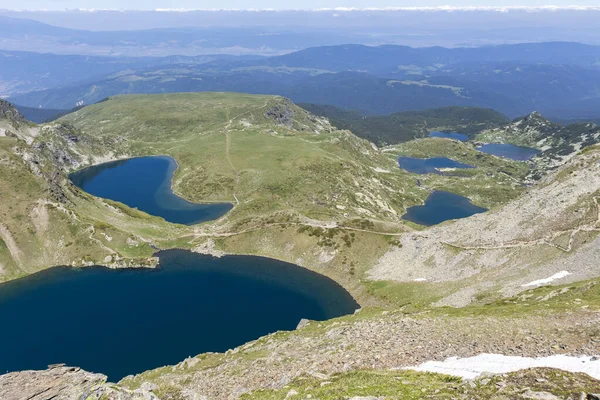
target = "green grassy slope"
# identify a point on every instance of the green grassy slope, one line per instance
(45, 222)
(228, 146)
(303, 191)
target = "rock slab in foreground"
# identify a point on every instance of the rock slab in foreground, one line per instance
(58, 383)
(65, 383)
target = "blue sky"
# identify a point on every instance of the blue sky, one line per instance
(289, 4)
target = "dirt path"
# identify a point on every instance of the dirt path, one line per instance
(548, 240)
(323, 225)
(92, 230)
(237, 174)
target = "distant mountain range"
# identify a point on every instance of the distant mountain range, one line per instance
(561, 80)
(29, 35)
(392, 60)
(22, 72)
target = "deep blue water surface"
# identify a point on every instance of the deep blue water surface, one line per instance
(145, 183)
(511, 151)
(442, 206)
(128, 321)
(428, 165)
(450, 135)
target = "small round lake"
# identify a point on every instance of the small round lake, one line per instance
(145, 183)
(120, 322)
(449, 135)
(428, 165)
(511, 151)
(442, 206)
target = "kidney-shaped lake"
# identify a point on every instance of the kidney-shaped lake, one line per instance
(128, 321)
(145, 183)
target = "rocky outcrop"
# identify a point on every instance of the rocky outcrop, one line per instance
(10, 113)
(67, 131)
(56, 383)
(55, 179)
(65, 383)
(282, 113)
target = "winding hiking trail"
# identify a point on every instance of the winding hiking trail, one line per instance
(548, 240)
(312, 223)
(237, 174)
(227, 156)
(228, 146)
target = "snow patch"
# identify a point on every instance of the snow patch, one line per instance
(554, 277)
(472, 367)
(385, 171)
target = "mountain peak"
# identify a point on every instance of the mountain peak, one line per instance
(535, 116)
(534, 120)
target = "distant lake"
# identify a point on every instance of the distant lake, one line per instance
(428, 165)
(145, 183)
(120, 322)
(511, 151)
(449, 135)
(442, 206)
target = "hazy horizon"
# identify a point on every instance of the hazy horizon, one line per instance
(273, 32)
(306, 5)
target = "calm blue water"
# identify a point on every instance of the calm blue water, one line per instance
(428, 165)
(128, 321)
(442, 206)
(509, 151)
(450, 135)
(145, 183)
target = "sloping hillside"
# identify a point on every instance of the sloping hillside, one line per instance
(551, 231)
(45, 221)
(263, 153)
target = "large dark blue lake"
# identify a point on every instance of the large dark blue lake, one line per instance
(128, 321)
(442, 206)
(449, 135)
(511, 151)
(428, 165)
(145, 183)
